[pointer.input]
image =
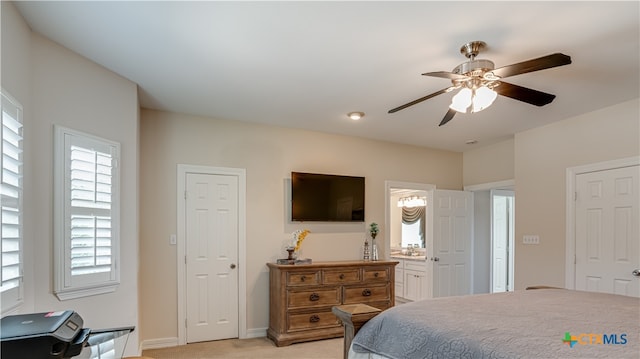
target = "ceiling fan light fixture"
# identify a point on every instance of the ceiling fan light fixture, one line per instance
(462, 100)
(483, 97)
(478, 99)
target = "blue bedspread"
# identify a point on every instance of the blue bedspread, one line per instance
(520, 324)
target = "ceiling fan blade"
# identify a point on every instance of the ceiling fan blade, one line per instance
(446, 75)
(530, 96)
(540, 63)
(448, 89)
(448, 116)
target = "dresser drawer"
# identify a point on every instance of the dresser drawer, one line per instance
(313, 298)
(366, 293)
(303, 278)
(376, 274)
(381, 305)
(313, 320)
(346, 275)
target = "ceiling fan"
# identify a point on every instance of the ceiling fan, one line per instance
(480, 82)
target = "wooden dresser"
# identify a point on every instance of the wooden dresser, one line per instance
(301, 296)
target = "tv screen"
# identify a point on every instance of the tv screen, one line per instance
(326, 198)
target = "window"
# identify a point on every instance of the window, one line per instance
(86, 214)
(11, 196)
(413, 226)
(411, 234)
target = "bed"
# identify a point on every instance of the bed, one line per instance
(543, 323)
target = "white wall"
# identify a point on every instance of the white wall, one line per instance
(493, 163)
(483, 166)
(57, 86)
(481, 241)
(395, 222)
(268, 154)
(537, 160)
(542, 156)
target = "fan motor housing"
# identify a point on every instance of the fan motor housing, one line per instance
(474, 68)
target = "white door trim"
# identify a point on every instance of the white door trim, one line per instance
(181, 244)
(506, 184)
(572, 172)
(511, 242)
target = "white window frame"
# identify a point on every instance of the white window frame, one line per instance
(12, 297)
(66, 284)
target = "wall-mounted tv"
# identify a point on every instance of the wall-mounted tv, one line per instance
(326, 198)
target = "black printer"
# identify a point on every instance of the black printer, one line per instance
(43, 335)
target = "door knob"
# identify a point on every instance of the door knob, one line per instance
(232, 266)
(636, 272)
(435, 259)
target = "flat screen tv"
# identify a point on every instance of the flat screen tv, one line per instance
(326, 198)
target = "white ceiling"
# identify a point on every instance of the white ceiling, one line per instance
(307, 64)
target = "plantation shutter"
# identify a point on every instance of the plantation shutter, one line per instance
(11, 196)
(87, 233)
(90, 229)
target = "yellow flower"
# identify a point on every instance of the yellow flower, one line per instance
(299, 236)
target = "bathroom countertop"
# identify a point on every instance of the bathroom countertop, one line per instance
(413, 258)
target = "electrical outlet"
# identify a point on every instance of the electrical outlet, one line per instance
(531, 239)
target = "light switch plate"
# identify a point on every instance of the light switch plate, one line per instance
(531, 239)
(172, 239)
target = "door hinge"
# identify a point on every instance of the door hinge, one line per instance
(185, 322)
(575, 196)
(185, 194)
(185, 259)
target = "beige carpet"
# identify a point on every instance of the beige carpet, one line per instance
(256, 348)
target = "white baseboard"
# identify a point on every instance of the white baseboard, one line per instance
(159, 343)
(172, 342)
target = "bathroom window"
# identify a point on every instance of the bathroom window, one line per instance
(413, 226)
(411, 234)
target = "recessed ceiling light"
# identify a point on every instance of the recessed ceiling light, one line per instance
(471, 142)
(355, 115)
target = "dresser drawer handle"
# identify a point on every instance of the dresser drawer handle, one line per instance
(314, 297)
(314, 319)
(302, 278)
(341, 276)
(376, 274)
(366, 293)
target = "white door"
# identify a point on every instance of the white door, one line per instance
(607, 231)
(502, 235)
(211, 257)
(452, 243)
